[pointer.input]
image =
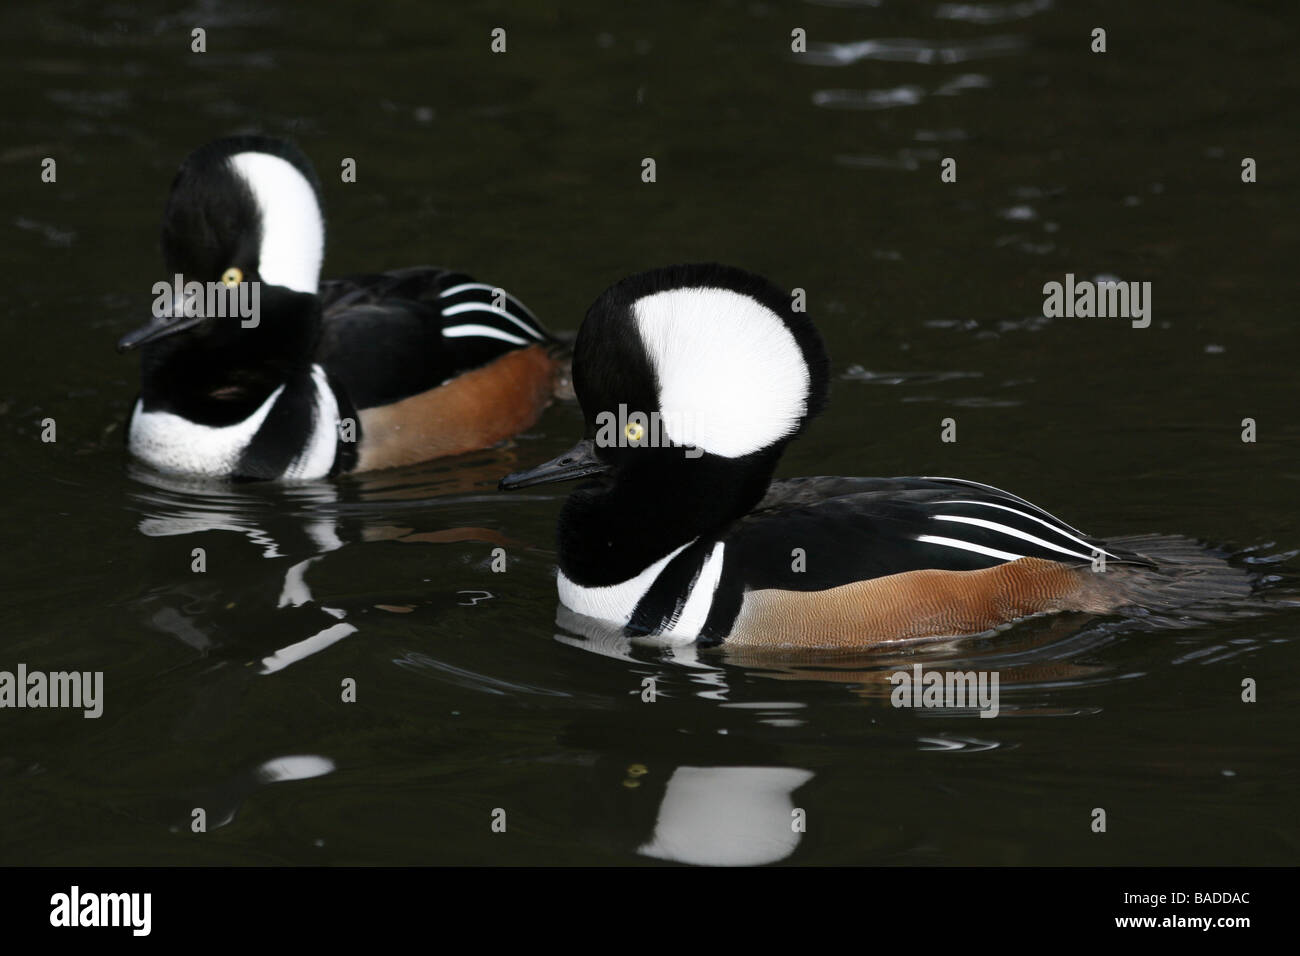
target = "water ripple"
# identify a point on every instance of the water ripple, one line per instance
(904, 50)
(987, 13)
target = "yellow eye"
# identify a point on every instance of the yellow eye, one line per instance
(633, 772)
(232, 277)
(634, 431)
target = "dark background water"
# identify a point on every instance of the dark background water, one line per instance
(524, 169)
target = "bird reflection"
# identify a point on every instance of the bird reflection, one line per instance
(1021, 654)
(728, 816)
(297, 527)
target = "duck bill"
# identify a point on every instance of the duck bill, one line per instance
(156, 329)
(578, 462)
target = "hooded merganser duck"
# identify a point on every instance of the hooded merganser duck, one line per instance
(365, 372)
(692, 380)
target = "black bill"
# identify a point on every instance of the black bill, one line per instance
(156, 329)
(578, 462)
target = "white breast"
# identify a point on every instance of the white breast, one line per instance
(171, 443)
(616, 602)
(317, 455)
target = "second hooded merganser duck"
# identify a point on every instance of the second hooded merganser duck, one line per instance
(692, 380)
(366, 372)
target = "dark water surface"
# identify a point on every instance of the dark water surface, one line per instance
(222, 689)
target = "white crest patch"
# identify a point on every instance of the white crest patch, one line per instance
(732, 379)
(293, 230)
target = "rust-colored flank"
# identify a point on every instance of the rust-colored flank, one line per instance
(916, 604)
(474, 410)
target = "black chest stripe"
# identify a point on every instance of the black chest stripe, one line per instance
(662, 603)
(725, 609)
(284, 433)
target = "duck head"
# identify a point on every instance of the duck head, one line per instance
(692, 380)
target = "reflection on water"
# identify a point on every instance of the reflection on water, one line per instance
(473, 690)
(912, 51)
(221, 803)
(296, 526)
(728, 816)
(285, 656)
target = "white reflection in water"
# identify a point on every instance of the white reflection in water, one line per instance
(902, 50)
(305, 648)
(293, 767)
(728, 816)
(224, 800)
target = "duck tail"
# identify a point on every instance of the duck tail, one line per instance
(1183, 573)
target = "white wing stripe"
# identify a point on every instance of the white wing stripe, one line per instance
(467, 286)
(1045, 524)
(1017, 498)
(480, 307)
(486, 331)
(1012, 532)
(967, 546)
(483, 287)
